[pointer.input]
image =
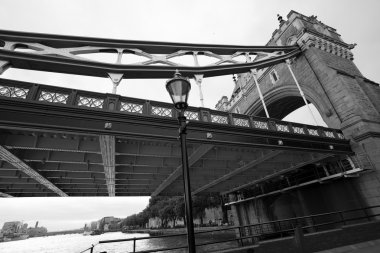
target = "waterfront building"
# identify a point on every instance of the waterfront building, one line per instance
(37, 231)
(109, 223)
(12, 227)
(94, 225)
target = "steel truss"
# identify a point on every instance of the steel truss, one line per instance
(64, 54)
(67, 135)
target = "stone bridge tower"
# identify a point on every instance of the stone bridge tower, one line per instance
(330, 81)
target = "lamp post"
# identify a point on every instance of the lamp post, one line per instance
(179, 88)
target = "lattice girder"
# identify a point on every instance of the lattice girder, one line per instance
(65, 54)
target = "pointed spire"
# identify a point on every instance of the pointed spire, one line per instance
(279, 18)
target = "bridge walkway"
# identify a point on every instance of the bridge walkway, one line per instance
(57, 141)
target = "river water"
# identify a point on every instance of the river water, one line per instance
(75, 243)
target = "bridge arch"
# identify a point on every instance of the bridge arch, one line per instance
(284, 99)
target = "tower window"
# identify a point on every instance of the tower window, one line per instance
(273, 76)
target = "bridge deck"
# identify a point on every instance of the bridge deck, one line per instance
(57, 141)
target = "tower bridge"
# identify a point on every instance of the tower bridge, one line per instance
(64, 142)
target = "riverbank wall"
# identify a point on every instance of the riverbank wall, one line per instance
(171, 231)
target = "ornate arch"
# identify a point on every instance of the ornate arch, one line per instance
(284, 99)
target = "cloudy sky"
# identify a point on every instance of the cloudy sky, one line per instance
(240, 22)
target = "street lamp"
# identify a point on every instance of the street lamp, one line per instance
(179, 88)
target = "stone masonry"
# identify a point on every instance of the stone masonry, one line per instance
(330, 81)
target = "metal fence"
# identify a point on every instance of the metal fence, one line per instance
(252, 233)
(98, 101)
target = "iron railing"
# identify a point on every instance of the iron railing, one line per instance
(252, 233)
(110, 102)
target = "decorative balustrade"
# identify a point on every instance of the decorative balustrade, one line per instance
(13, 92)
(190, 115)
(131, 107)
(219, 119)
(260, 124)
(90, 102)
(241, 122)
(162, 111)
(282, 128)
(298, 130)
(329, 134)
(313, 132)
(97, 101)
(53, 97)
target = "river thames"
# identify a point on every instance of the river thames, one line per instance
(76, 243)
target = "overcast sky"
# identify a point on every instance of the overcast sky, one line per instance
(240, 22)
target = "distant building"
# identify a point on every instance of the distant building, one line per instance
(36, 232)
(87, 227)
(12, 227)
(154, 222)
(24, 228)
(94, 225)
(109, 223)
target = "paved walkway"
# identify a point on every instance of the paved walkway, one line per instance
(364, 247)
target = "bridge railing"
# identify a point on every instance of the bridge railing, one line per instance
(99, 101)
(252, 233)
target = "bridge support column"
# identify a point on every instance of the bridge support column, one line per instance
(236, 217)
(249, 213)
(243, 212)
(355, 101)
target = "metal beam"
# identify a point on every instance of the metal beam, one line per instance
(4, 65)
(99, 69)
(18, 114)
(153, 47)
(238, 171)
(107, 147)
(21, 165)
(194, 157)
(26, 147)
(293, 167)
(4, 195)
(62, 54)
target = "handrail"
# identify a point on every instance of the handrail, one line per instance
(57, 96)
(284, 229)
(90, 248)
